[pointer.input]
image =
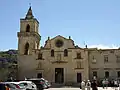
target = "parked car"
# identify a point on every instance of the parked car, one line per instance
(16, 84)
(39, 82)
(25, 85)
(46, 82)
(29, 85)
(4, 85)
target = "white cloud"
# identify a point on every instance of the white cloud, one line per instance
(101, 46)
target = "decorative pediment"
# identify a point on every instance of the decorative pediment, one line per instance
(59, 37)
(59, 41)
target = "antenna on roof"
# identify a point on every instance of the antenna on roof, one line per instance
(85, 44)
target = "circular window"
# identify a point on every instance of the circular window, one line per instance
(59, 43)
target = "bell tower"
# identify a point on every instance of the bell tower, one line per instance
(28, 37)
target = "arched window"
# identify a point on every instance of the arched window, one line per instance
(52, 53)
(28, 28)
(26, 52)
(40, 56)
(79, 55)
(65, 52)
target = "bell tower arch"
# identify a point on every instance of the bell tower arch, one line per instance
(28, 37)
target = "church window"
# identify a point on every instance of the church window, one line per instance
(117, 59)
(40, 56)
(65, 52)
(59, 43)
(26, 52)
(28, 28)
(105, 58)
(52, 53)
(78, 55)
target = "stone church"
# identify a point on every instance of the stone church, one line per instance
(60, 60)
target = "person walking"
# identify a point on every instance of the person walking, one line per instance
(7, 88)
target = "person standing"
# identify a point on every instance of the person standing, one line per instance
(88, 85)
(115, 84)
(94, 85)
(83, 85)
(103, 83)
(106, 83)
(119, 86)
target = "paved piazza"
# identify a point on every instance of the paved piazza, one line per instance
(100, 88)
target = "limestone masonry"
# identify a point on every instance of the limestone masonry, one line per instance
(59, 60)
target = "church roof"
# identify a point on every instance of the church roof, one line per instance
(59, 37)
(29, 14)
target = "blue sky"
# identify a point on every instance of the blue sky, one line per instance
(97, 22)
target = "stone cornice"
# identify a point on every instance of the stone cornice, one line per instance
(26, 34)
(61, 61)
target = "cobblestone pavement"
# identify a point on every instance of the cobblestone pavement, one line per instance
(100, 88)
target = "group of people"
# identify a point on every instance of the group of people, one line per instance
(105, 83)
(112, 83)
(89, 85)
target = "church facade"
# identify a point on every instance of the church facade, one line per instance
(60, 60)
